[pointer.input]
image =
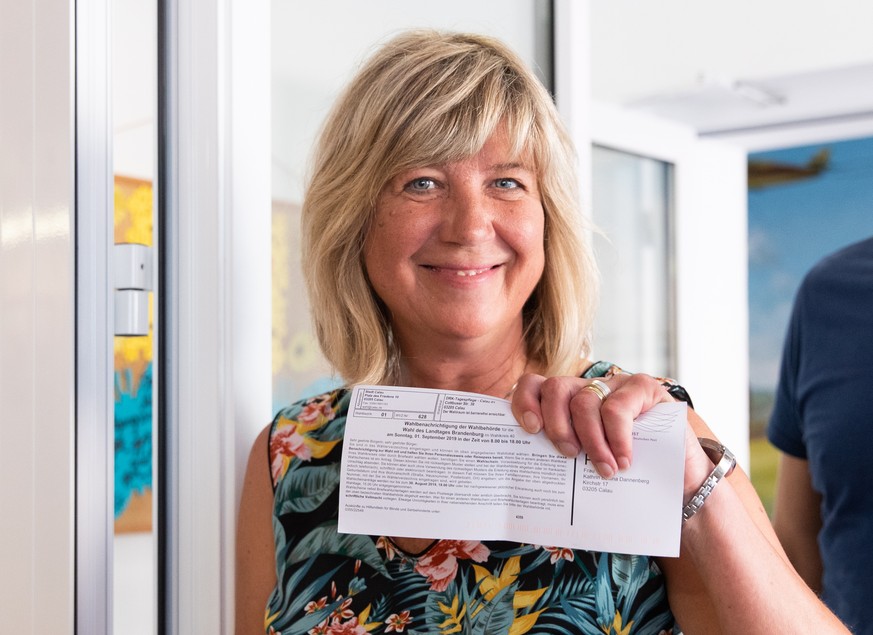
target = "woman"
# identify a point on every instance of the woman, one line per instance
(443, 249)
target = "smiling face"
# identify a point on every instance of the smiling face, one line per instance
(455, 250)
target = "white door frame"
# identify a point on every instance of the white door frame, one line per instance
(213, 380)
(94, 354)
(216, 351)
(806, 133)
(37, 317)
(572, 72)
(711, 262)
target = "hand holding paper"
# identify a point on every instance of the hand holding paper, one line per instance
(426, 463)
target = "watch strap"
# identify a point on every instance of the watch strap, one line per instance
(724, 464)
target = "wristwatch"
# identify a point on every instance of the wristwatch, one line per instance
(725, 462)
(676, 391)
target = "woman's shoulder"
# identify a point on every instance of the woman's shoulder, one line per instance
(601, 369)
(307, 430)
(308, 409)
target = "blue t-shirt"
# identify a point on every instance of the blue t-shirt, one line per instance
(824, 414)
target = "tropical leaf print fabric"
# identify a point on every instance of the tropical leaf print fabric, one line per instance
(341, 584)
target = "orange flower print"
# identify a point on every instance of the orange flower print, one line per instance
(315, 408)
(558, 553)
(346, 628)
(321, 629)
(342, 611)
(385, 544)
(440, 565)
(287, 442)
(396, 623)
(614, 370)
(312, 607)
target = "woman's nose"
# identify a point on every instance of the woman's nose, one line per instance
(468, 218)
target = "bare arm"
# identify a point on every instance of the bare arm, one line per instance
(732, 575)
(255, 547)
(797, 518)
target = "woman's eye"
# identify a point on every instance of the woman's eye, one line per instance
(421, 184)
(506, 184)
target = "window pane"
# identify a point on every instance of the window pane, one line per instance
(134, 84)
(631, 206)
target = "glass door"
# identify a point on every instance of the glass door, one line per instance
(632, 208)
(672, 209)
(134, 86)
(116, 88)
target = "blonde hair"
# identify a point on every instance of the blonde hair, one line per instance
(426, 98)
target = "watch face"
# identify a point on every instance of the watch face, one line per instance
(716, 451)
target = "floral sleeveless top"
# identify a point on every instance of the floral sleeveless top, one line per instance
(342, 584)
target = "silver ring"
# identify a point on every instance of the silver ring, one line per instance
(599, 388)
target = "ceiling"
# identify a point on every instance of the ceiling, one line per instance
(732, 67)
(723, 107)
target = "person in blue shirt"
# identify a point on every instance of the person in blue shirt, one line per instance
(823, 424)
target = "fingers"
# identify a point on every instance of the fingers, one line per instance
(636, 394)
(526, 402)
(601, 432)
(555, 405)
(575, 417)
(557, 395)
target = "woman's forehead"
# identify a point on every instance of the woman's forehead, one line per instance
(498, 151)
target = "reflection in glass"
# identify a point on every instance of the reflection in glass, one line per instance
(134, 55)
(632, 207)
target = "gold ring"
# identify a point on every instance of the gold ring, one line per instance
(599, 388)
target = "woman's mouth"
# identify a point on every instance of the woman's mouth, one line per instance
(471, 272)
(464, 273)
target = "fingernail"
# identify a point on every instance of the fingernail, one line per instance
(568, 449)
(530, 422)
(604, 469)
(623, 463)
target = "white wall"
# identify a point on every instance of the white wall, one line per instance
(645, 48)
(36, 317)
(134, 87)
(314, 54)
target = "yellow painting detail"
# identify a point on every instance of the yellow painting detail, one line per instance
(133, 376)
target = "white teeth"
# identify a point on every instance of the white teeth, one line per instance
(462, 272)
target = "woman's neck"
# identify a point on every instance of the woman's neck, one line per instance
(489, 370)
